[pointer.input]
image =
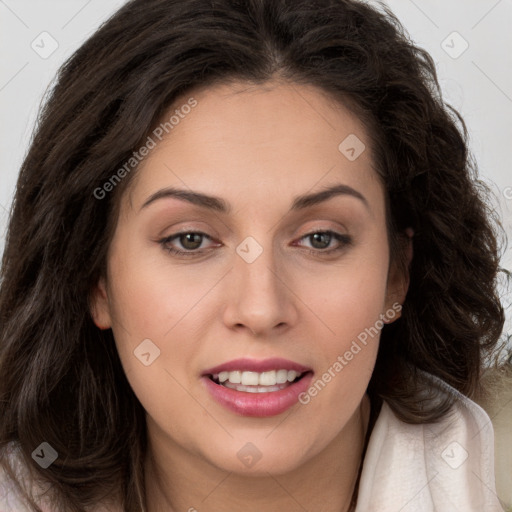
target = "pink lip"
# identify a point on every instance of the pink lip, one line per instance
(253, 365)
(257, 404)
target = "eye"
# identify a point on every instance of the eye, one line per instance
(190, 241)
(321, 241)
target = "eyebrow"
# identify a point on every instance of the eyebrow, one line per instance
(220, 205)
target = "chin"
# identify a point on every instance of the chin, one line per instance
(258, 459)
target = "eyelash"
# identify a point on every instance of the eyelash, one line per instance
(345, 240)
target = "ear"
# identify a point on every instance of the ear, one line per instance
(100, 305)
(398, 279)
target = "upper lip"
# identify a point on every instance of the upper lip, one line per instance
(257, 365)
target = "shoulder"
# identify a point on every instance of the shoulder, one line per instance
(496, 400)
(10, 496)
(443, 466)
(11, 499)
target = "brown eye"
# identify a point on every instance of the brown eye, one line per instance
(191, 241)
(320, 240)
(187, 243)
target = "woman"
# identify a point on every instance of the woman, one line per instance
(249, 267)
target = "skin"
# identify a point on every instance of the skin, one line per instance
(257, 148)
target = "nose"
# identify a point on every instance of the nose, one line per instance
(260, 296)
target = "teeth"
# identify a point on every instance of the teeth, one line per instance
(292, 375)
(281, 376)
(235, 377)
(250, 379)
(254, 389)
(269, 379)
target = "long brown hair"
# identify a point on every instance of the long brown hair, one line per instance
(61, 378)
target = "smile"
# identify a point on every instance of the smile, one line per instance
(257, 388)
(254, 382)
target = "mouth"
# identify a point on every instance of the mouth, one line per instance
(257, 382)
(249, 387)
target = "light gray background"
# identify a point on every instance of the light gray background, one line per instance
(478, 81)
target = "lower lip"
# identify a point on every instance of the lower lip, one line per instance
(258, 404)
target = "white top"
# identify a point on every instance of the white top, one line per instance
(437, 467)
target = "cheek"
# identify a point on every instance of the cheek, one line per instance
(149, 339)
(348, 301)
(153, 297)
(349, 297)
(349, 305)
(151, 301)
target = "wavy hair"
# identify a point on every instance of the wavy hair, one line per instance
(61, 378)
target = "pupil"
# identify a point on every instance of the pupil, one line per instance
(191, 240)
(318, 237)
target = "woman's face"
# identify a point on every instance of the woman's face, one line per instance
(277, 277)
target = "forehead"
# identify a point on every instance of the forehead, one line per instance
(251, 140)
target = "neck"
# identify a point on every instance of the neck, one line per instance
(177, 480)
